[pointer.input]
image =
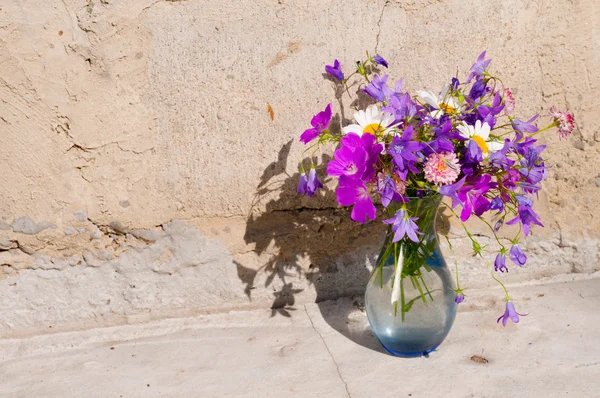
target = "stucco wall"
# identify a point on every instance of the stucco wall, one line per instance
(119, 117)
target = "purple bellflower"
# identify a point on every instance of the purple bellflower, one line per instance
(517, 256)
(352, 191)
(335, 70)
(378, 88)
(459, 298)
(401, 106)
(378, 59)
(302, 183)
(488, 113)
(402, 150)
(525, 215)
(313, 182)
(451, 191)
(497, 204)
(500, 262)
(531, 169)
(510, 313)
(402, 225)
(386, 186)
(478, 90)
(499, 158)
(479, 67)
(319, 123)
(521, 127)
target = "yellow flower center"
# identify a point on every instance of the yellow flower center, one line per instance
(373, 128)
(447, 108)
(481, 143)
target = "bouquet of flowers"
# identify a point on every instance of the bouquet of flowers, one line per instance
(463, 143)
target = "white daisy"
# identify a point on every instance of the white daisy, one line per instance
(444, 103)
(372, 120)
(480, 133)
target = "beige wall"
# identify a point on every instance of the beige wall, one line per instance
(117, 117)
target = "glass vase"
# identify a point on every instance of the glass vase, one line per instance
(415, 319)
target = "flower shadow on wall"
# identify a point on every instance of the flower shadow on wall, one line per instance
(319, 244)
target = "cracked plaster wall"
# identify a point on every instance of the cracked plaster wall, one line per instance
(117, 118)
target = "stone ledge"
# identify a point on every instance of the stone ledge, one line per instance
(324, 348)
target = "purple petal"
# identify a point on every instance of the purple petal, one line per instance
(362, 209)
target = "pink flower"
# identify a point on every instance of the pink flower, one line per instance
(442, 168)
(509, 101)
(564, 121)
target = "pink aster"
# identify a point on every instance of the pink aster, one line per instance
(442, 168)
(509, 101)
(564, 121)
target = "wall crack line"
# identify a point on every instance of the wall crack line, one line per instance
(329, 352)
(379, 25)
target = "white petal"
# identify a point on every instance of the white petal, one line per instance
(437, 114)
(428, 97)
(494, 146)
(444, 93)
(387, 119)
(484, 132)
(373, 112)
(361, 118)
(353, 128)
(464, 130)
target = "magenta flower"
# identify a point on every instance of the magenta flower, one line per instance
(369, 144)
(358, 157)
(564, 121)
(378, 59)
(353, 191)
(517, 256)
(335, 70)
(511, 313)
(320, 123)
(348, 161)
(473, 199)
(402, 225)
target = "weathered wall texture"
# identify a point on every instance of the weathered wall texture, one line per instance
(141, 175)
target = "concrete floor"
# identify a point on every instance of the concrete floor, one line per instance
(324, 350)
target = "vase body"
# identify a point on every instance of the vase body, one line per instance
(424, 310)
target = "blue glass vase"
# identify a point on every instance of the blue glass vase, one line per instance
(410, 296)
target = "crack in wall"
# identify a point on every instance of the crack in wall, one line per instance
(379, 26)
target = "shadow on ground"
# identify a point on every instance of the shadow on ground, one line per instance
(319, 243)
(313, 239)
